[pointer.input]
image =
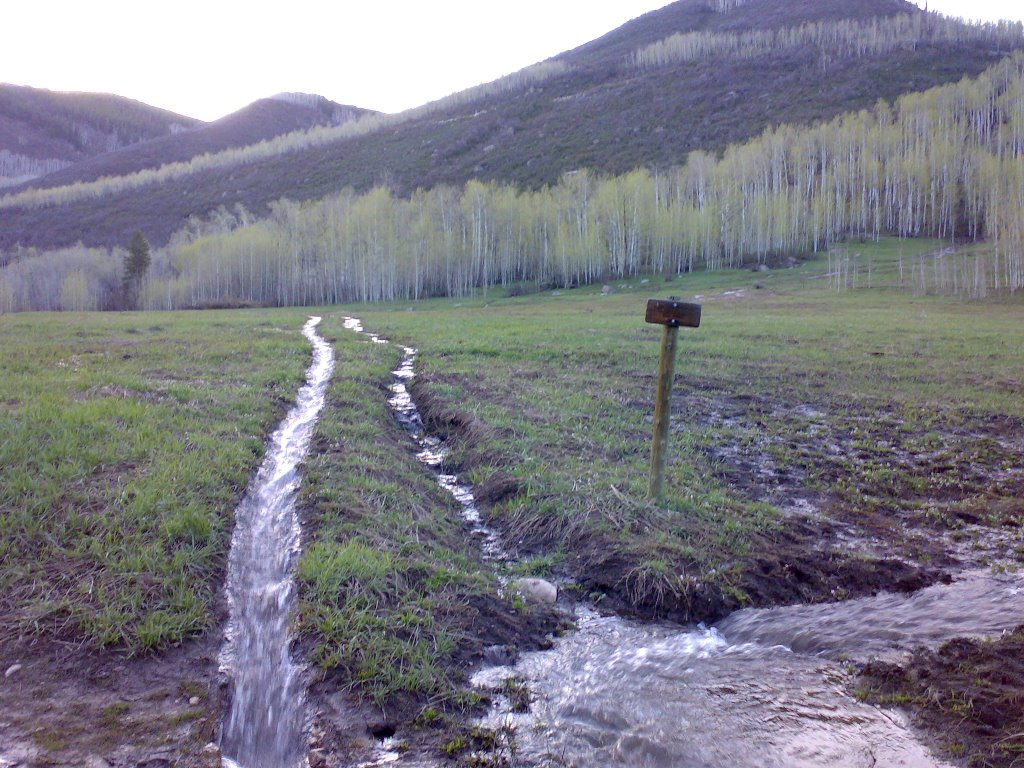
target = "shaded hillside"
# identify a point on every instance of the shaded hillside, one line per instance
(42, 130)
(261, 120)
(701, 15)
(598, 109)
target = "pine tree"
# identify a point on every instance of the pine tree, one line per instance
(136, 263)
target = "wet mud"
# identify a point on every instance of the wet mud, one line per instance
(65, 705)
(968, 695)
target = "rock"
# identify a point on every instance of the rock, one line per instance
(499, 655)
(93, 761)
(317, 758)
(194, 701)
(13, 670)
(156, 760)
(538, 590)
(211, 749)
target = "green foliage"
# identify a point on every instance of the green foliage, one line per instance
(136, 264)
(931, 165)
(846, 38)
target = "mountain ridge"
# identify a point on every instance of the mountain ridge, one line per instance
(40, 128)
(589, 107)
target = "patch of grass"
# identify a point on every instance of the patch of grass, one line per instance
(388, 574)
(872, 403)
(127, 444)
(112, 713)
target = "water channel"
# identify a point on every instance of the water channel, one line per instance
(264, 727)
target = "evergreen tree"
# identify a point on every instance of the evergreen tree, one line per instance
(136, 263)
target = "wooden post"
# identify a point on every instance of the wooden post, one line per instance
(672, 314)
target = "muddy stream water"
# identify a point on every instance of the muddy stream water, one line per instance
(264, 727)
(763, 689)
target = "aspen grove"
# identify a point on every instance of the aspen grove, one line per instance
(946, 163)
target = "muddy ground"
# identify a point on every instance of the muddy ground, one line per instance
(968, 696)
(66, 705)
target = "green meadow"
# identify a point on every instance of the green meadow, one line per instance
(129, 438)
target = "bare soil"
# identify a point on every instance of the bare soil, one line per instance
(968, 696)
(67, 705)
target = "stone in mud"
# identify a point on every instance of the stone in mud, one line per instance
(499, 655)
(538, 590)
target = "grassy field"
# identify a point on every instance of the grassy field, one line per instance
(829, 439)
(882, 410)
(127, 441)
(393, 591)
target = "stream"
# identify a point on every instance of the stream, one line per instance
(766, 688)
(264, 728)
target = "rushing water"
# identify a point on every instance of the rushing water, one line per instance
(264, 728)
(766, 689)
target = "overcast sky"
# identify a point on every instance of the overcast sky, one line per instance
(208, 58)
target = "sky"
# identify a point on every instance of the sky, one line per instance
(208, 58)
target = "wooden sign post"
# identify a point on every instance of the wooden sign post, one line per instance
(672, 314)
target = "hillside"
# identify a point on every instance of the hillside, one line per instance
(261, 120)
(42, 131)
(594, 107)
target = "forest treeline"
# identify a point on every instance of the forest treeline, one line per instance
(844, 39)
(946, 163)
(15, 169)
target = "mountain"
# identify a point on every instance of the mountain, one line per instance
(260, 121)
(695, 75)
(42, 131)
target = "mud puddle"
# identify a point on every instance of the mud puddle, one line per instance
(937, 494)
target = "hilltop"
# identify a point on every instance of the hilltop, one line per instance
(43, 131)
(724, 71)
(262, 120)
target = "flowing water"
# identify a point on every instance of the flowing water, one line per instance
(766, 688)
(432, 450)
(264, 728)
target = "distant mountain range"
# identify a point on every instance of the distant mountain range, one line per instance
(695, 75)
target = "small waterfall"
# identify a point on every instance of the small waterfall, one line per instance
(264, 728)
